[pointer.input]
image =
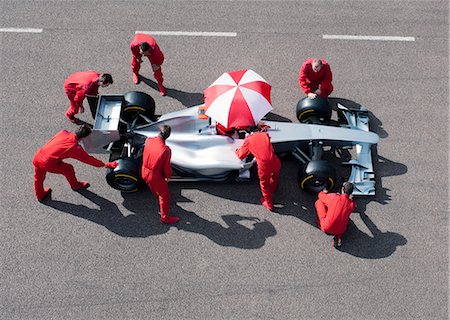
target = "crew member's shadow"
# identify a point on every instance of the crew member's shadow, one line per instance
(376, 246)
(80, 122)
(234, 234)
(187, 99)
(139, 225)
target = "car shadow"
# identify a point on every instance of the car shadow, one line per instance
(234, 234)
(275, 117)
(375, 124)
(139, 225)
(291, 201)
(187, 99)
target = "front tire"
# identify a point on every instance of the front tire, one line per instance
(313, 111)
(126, 177)
(316, 176)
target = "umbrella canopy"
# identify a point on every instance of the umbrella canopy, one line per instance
(237, 99)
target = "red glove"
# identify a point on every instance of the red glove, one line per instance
(111, 165)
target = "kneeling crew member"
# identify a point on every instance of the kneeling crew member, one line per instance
(333, 211)
(315, 78)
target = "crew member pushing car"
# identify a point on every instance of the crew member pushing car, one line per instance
(50, 158)
(315, 78)
(145, 45)
(156, 171)
(258, 144)
(80, 84)
(333, 211)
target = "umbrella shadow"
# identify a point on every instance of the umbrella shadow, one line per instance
(234, 234)
(187, 99)
(376, 246)
(138, 225)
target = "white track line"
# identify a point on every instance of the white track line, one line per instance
(190, 34)
(372, 38)
(29, 30)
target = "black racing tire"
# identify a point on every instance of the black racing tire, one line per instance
(316, 176)
(136, 103)
(314, 111)
(126, 177)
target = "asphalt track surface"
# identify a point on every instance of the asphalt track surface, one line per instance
(100, 254)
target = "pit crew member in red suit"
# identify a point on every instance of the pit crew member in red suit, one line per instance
(315, 78)
(156, 171)
(145, 45)
(80, 84)
(50, 158)
(333, 211)
(269, 166)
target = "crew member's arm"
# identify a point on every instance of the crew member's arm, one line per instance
(167, 169)
(243, 151)
(136, 53)
(80, 154)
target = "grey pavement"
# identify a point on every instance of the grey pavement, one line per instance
(100, 254)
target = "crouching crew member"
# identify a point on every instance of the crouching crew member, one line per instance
(333, 211)
(145, 45)
(50, 158)
(258, 144)
(156, 171)
(80, 84)
(315, 78)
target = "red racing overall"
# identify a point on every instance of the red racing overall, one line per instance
(333, 211)
(156, 170)
(268, 163)
(309, 80)
(50, 158)
(77, 86)
(156, 57)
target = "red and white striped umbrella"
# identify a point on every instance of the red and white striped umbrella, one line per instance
(239, 98)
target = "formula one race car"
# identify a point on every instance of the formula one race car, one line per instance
(199, 153)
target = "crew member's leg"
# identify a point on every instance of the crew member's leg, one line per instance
(264, 181)
(162, 193)
(159, 79)
(135, 67)
(69, 172)
(39, 177)
(73, 108)
(325, 92)
(321, 209)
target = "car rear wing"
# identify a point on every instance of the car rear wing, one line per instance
(106, 124)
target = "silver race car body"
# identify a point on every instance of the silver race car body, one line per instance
(200, 154)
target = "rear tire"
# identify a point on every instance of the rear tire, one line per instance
(314, 111)
(137, 103)
(126, 177)
(316, 176)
